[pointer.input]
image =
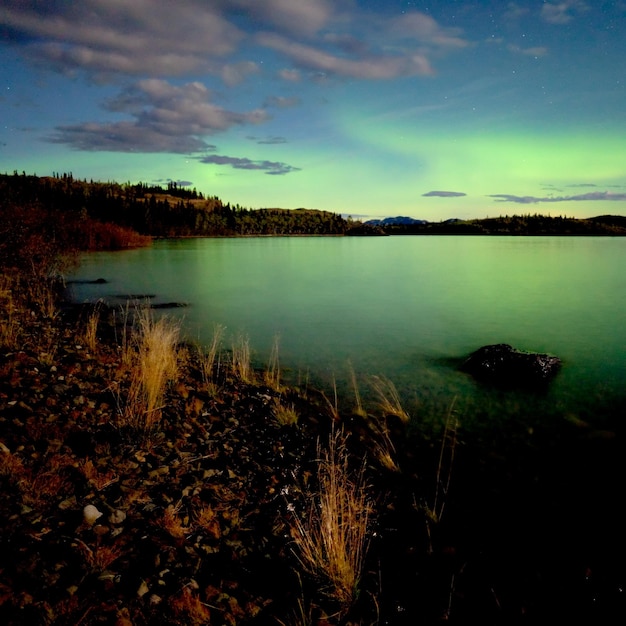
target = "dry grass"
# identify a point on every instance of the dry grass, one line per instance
(241, 359)
(331, 540)
(209, 359)
(285, 414)
(154, 363)
(89, 334)
(333, 407)
(10, 315)
(445, 464)
(388, 398)
(188, 609)
(272, 372)
(172, 523)
(358, 407)
(434, 510)
(206, 518)
(381, 444)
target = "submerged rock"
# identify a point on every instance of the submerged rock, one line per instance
(502, 364)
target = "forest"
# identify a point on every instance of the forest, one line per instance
(93, 215)
(91, 208)
(529, 224)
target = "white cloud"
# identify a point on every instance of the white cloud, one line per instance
(562, 12)
(371, 67)
(166, 118)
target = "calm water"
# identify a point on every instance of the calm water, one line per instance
(408, 308)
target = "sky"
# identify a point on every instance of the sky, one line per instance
(368, 108)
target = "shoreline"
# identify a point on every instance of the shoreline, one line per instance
(197, 512)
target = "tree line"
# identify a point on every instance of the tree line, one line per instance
(154, 210)
(521, 225)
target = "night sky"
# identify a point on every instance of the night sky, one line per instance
(368, 108)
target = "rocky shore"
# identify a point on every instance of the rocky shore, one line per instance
(193, 522)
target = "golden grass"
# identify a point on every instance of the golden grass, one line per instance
(444, 466)
(285, 414)
(89, 334)
(10, 315)
(209, 359)
(172, 523)
(358, 408)
(272, 372)
(381, 444)
(388, 398)
(434, 510)
(241, 359)
(331, 540)
(153, 364)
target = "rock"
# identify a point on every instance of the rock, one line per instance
(503, 365)
(91, 514)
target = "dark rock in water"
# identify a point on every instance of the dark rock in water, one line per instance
(169, 305)
(96, 281)
(502, 364)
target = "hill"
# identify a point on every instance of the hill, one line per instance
(612, 225)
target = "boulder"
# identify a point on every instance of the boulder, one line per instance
(503, 365)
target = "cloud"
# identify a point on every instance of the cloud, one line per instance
(424, 30)
(238, 72)
(515, 12)
(535, 51)
(593, 196)
(161, 38)
(132, 38)
(290, 75)
(444, 194)
(167, 118)
(377, 48)
(371, 66)
(562, 12)
(281, 102)
(300, 17)
(269, 167)
(268, 140)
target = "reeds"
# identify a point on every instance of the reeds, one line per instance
(241, 359)
(154, 362)
(272, 371)
(434, 510)
(90, 330)
(388, 398)
(209, 360)
(358, 404)
(331, 539)
(444, 466)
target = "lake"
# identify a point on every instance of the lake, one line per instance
(534, 509)
(409, 308)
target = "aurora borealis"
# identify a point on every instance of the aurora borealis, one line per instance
(368, 108)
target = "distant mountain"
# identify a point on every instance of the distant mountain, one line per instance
(613, 220)
(392, 221)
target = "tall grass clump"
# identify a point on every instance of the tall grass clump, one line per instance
(331, 539)
(154, 363)
(241, 359)
(209, 358)
(358, 408)
(285, 414)
(89, 332)
(435, 508)
(272, 372)
(389, 398)
(10, 315)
